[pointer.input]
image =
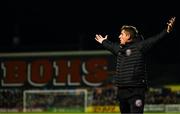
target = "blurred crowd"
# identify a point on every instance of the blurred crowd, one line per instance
(107, 96)
(11, 99)
(101, 96)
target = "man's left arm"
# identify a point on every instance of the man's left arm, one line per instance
(149, 42)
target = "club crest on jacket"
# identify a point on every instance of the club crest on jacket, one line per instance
(128, 52)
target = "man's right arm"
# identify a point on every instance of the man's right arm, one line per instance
(107, 44)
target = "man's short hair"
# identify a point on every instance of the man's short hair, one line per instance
(131, 29)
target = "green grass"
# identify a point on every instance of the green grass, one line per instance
(76, 113)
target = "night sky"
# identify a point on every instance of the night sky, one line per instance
(58, 25)
(29, 25)
(72, 25)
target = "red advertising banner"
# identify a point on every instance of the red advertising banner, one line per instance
(55, 69)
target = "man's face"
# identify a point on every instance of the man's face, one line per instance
(124, 37)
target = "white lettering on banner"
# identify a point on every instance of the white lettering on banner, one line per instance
(40, 72)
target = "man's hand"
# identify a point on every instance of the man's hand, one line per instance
(170, 24)
(100, 39)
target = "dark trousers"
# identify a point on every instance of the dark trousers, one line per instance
(131, 100)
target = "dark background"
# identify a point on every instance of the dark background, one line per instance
(57, 25)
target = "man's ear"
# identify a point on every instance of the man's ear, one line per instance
(129, 38)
